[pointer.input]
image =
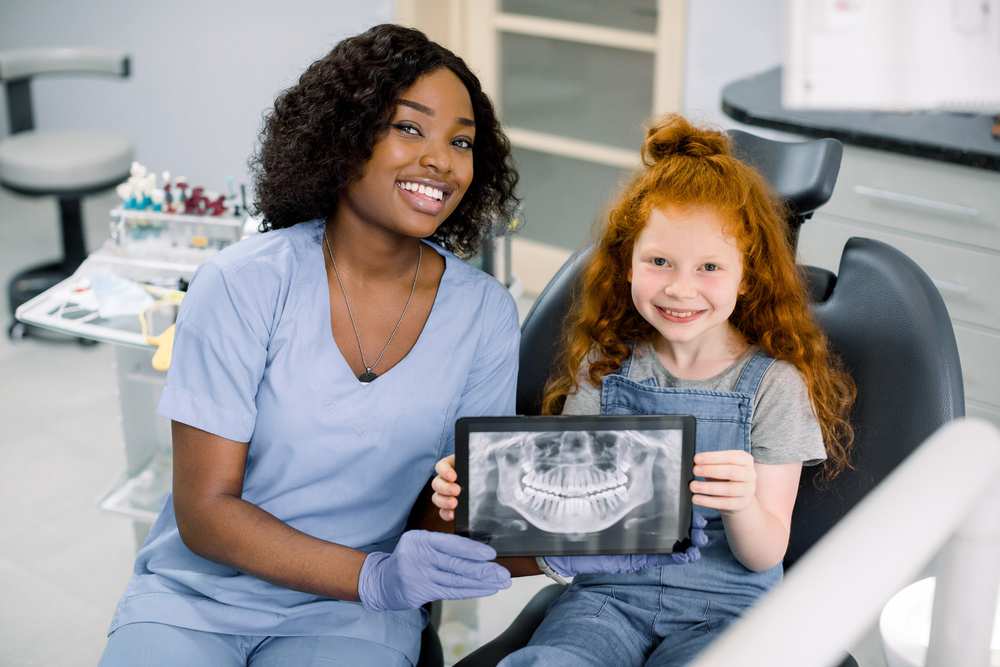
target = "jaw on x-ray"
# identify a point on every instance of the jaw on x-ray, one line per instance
(574, 482)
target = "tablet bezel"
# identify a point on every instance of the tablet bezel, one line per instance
(685, 423)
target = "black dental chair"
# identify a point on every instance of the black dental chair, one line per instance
(882, 315)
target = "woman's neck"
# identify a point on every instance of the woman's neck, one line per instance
(371, 253)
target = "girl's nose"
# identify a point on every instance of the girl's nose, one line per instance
(680, 287)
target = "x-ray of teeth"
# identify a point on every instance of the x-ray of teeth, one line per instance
(576, 484)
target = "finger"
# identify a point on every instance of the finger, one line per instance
(444, 502)
(737, 456)
(737, 473)
(471, 575)
(721, 504)
(446, 468)
(445, 488)
(722, 489)
(447, 515)
(457, 546)
(698, 521)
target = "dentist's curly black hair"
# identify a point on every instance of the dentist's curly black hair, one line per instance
(322, 132)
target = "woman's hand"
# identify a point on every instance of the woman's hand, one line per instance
(446, 491)
(429, 566)
(730, 480)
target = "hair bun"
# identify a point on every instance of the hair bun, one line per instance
(674, 135)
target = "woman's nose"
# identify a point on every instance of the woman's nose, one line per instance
(436, 157)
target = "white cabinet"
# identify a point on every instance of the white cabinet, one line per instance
(945, 217)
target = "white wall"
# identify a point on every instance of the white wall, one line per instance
(728, 40)
(203, 72)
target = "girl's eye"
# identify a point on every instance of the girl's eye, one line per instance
(406, 127)
(659, 261)
(462, 143)
(711, 267)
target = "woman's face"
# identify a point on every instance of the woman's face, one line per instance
(422, 166)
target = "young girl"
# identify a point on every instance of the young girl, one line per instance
(691, 303)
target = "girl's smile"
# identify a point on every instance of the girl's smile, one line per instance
(686, 275)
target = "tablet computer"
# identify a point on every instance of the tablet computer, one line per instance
(574, 485)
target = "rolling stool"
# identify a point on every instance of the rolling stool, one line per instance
(66, 163)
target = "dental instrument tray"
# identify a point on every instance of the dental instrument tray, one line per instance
(575, 485)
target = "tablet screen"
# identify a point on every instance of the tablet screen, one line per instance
(573, 485)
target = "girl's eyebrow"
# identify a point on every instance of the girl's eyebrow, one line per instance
(426, 110)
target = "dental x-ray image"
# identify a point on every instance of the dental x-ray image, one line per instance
(576, 485)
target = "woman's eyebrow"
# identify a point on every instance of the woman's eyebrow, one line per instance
(426, 110)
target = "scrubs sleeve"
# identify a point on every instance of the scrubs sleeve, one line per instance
(219, 354)
(491, 387)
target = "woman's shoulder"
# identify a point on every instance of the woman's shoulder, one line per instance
(282, 247)
(487, 291)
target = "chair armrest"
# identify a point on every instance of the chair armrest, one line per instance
(26, 63)
(517, 634)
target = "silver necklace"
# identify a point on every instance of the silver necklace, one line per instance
(368, 375)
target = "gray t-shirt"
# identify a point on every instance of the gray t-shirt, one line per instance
(783, 428)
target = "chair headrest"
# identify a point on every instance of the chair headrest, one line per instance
(804, 173)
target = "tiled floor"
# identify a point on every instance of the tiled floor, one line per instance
(63, 564)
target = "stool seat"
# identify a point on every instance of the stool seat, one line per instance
(65, 160)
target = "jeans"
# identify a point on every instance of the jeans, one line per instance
(624, 626)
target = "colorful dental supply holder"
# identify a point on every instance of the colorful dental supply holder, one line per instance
(159, 235)
(172, 221)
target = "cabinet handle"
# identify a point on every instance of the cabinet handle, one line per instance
(916, 201)
(951, 287)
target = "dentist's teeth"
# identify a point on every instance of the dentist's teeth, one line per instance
(422, 189)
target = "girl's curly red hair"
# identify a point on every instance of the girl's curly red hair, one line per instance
(689, 166)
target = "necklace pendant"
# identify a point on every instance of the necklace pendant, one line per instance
(367, 377)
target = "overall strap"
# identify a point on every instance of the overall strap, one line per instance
(753, 373)
(625, 365)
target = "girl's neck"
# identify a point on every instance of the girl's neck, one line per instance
(700, 360)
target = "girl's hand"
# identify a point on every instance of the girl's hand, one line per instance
(730, 480)
(446, 491)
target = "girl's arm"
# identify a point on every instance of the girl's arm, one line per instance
(217, 524)
(755, 500)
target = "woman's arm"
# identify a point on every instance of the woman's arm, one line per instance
(755, 500)
(218, 525)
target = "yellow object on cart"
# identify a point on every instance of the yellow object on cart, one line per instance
(158, 322)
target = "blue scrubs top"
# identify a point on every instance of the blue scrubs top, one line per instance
(254, 361)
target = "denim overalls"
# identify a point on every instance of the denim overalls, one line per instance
(663, 615)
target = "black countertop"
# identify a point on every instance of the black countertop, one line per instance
(951, 137)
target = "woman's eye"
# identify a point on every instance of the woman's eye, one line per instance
(711, 267)
(659, 261)
(462, 143)
(406, 127)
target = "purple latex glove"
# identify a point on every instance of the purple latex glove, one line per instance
(570, 566)
(429, 566)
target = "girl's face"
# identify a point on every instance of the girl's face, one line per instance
(686, 276)
(422, 166)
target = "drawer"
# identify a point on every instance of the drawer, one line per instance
(968, 279)
(980, 353)
(929, 197)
